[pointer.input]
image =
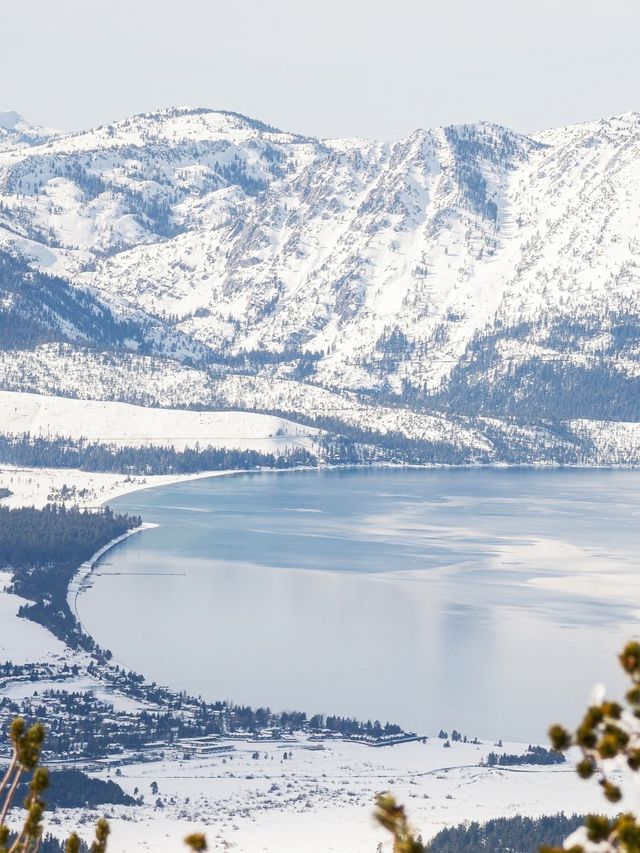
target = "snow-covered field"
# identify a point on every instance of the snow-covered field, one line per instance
(22, 641)
(86, 489)
(125, 424)
(321, 799)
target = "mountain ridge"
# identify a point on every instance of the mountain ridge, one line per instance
(468, 270)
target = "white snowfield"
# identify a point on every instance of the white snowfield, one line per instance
(94, 376)
(321, 800)
(22, 641)
(123, 424)
(92, 380)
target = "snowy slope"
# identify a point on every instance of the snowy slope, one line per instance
(16, 131)
(22, 641)
(36, 308)
(464, 271)
(123, 424)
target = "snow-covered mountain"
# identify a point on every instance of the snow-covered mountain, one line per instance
(463, 274)
(17, 132)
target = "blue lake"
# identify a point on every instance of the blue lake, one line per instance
(486, 600)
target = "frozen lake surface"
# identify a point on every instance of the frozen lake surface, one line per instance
(486, 600)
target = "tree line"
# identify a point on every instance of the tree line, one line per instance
(39, 452)
(505, 834)
(533, 755)
(73, 789)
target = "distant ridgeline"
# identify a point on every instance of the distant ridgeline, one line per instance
(488, 322)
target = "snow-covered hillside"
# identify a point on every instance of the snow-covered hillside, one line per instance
(16, 132)
(467, 274)
(121, 424)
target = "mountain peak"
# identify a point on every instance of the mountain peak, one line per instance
(10, 119)
(183, 123)
(16, 131)
(188, 110)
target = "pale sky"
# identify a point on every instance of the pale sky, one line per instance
(329, 68)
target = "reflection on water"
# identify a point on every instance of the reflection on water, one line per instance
(485, 600)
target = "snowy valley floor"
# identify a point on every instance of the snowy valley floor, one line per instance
(319, 799)
(322, 799)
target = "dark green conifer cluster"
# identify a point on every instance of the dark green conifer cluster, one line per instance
(66, 452)
(505, 834)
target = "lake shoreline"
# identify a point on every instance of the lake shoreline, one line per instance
(534, 526)
(80, 579)
(36, 487)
